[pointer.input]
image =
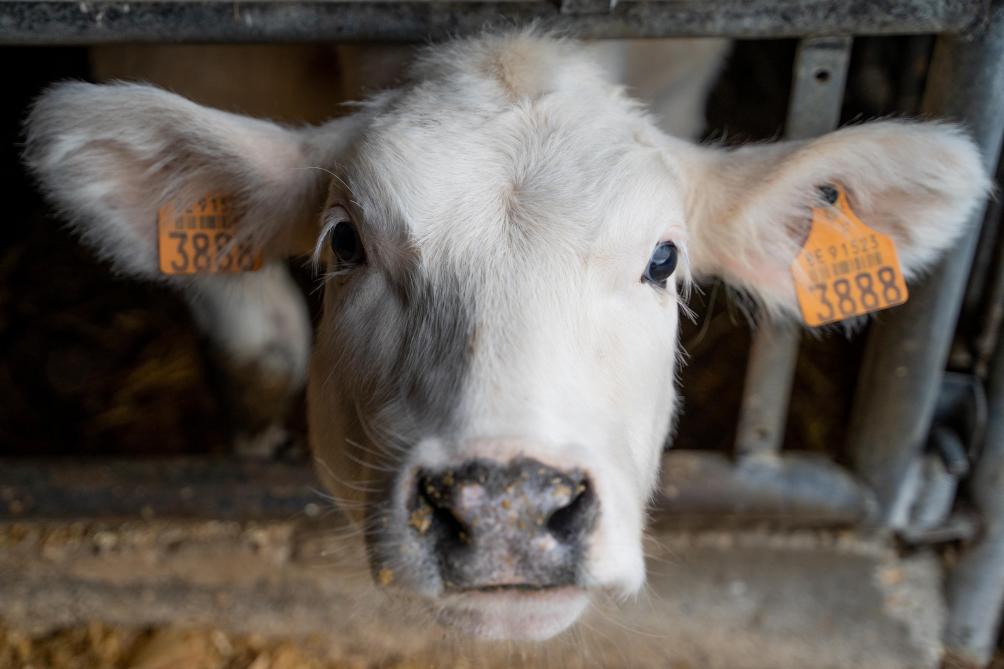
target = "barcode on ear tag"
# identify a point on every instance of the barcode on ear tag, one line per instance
(845, 268)
(202, 239)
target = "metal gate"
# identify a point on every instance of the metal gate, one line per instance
(917, 435)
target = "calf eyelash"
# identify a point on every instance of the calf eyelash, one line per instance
(332, 217)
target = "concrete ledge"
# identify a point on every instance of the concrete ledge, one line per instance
(738, 600)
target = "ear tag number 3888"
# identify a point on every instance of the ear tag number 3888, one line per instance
(202, 239)
(845, 269)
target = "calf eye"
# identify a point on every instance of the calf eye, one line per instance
(662, 263)
(345, 243)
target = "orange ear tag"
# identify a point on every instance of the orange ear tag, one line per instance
(845, 268)
(201, 239)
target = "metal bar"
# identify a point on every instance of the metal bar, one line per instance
(587, 6)
(976, 581)
(75, 22)
(991, 304)
(220, 488)
(908, 346)
(818, 90)
(798, 490)
(767, 389)
(814, 108)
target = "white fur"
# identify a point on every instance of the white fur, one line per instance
(258, 317)
(511, 177)
(916, 182)
(110, 156)
(672, 76)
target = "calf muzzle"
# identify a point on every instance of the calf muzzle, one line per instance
(515, 525)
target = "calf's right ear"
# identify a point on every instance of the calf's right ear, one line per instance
(110, 156)
(749, 209)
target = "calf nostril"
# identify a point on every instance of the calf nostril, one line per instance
(568, 523)
(435, 513)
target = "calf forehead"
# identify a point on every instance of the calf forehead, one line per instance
(485, 174)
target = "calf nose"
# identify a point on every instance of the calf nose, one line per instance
(490, 525)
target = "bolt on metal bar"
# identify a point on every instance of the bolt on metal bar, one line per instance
(814, 108)
(105, 21)
(908, 347)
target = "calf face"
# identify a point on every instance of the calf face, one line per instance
(503, 243)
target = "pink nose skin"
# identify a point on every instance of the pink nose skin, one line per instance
(517, 525)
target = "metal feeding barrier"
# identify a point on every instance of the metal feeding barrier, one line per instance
(917, 435)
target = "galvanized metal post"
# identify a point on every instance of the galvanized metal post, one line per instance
(908, 347)
(976, 582)
(814, 108)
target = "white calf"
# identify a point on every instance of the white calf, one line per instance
(261, 327)
(503, 243)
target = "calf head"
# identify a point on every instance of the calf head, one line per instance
(503, 243)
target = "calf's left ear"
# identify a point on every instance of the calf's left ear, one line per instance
(749, 209)
(110, 156)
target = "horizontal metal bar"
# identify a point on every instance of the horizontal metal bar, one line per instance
(76, 22)
(962, 526)
(797, 490)
(217, 488)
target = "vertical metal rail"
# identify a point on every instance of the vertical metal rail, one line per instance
(976, 582)
(908, 347)
(814, 108)
(975, 587)
(990, 298)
